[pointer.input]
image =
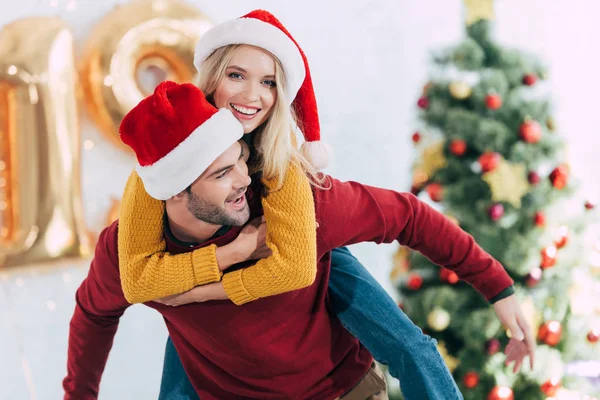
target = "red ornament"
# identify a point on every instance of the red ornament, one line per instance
(533, 178)
(563, 237)
(548, 257)
(448, 276)
(589, 205)
(529, 79)
(534, 277)
(550, 388)
(493, 101)
(501, 393)
(539, 219)
(530, 131)
(493, 346)
(496, 211)
(435, 191)
(458, 147)
(401, 305)
(489, 161)
(423, 102)
(416, 137)
(550, 333)
(558, 177)
(593, 336)
(415, 281)
(471, 379)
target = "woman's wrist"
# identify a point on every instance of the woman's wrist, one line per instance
(228, 255)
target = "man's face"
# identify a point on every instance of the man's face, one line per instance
(218, 196)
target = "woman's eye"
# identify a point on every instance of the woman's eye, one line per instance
(235, 75)
(270, 83)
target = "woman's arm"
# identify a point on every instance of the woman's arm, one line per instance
(149, 273)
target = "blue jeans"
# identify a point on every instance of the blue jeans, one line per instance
(373, 317)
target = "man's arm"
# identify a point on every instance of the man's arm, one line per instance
(350, 212)
(99, 305)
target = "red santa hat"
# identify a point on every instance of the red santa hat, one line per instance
(176, 134)
(261, 29)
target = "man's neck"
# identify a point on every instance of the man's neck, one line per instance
(192, 231)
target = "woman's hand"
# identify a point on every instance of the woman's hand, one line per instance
(522, 342)
(249, 245)
(252, 240)
(199, 294)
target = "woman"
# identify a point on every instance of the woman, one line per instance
(253, 84)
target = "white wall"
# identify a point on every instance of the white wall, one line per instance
(369, 61)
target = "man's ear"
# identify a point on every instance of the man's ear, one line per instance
(179, 196)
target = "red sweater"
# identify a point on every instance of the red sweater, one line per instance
(285, 346)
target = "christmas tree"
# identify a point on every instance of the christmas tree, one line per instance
(490, 159)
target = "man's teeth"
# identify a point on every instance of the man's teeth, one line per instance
(244, 110)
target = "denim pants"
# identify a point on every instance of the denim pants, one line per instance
(373, 317)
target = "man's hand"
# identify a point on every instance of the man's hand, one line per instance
(199, 294)
(522, 342)
(251, 241)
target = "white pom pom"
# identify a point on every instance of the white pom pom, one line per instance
(316, 153)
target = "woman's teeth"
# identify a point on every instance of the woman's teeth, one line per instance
(244, 110)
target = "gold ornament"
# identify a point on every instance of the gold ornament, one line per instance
(420, 178)
(137, 42)
(508, 182)
(460, 90)
(451, 362)
(532, 314)
(478, 10)
(550, 124)
(401, 263)
(40, 201)
(438, 319)
(433, 159)
(453, 219)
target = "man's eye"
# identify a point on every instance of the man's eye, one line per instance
(222, 174)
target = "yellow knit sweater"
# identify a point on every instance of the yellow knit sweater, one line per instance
(148, 272)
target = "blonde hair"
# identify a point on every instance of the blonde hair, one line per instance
(275, 140)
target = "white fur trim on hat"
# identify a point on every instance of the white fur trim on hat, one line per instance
(317, 153)
(257, 33)
(185, 163)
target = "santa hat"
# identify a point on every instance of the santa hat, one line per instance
(176, 134)
(261, 29)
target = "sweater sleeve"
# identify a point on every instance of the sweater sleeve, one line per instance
(291, 236)
(148, 272)
(350, 212)
(99, 305)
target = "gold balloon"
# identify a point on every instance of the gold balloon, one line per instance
(40, 201)
(113, 211)
(438, 319)
(131, 50)
(460, 90)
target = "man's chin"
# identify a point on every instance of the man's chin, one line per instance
(240, 217)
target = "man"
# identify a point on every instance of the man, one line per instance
(285, 346)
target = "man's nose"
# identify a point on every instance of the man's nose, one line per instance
(243, 179)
